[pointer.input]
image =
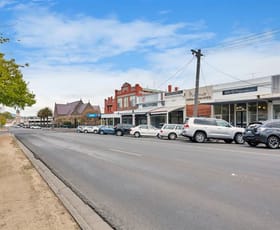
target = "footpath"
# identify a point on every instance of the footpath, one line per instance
(26, 201)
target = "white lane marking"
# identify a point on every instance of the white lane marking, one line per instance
(128, 153)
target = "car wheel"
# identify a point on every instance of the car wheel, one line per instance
(228, 141)
(137, 134)
(252, 143)
(101, 132)
(172, 136)
(85, 131)
(95, 131)
(200, 137)
(273, 142)
(238, 138)
(119, 133)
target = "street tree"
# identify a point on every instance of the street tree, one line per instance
(44, 114)
(13, 89)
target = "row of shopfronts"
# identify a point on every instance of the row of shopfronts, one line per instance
(239, 103)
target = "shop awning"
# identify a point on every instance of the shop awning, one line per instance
(166, 109)
(110, 115)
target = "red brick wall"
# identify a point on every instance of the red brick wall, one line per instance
(203, 110)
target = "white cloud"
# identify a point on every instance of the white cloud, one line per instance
(82, 38)
(53, 41)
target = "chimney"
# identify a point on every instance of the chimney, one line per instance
(176, 88)
(169, 88)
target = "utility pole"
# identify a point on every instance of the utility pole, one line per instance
(198, 54)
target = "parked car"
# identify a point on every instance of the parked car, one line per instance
(90, 129)
(121, 129)
(35, 127)
(199, 129)
(267, 132)
(80, 128)
(171, 131)
(106, 129)
(144, 130)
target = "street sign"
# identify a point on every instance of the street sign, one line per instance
(93, 115)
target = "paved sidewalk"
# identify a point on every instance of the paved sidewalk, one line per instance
(26, 201)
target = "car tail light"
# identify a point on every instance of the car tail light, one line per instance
(186, 126)
(161, 131)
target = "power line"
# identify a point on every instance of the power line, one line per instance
(234, 77)
(179, 70)
(241, 41)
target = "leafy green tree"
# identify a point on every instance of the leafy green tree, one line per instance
(13, 89)
(44, 114)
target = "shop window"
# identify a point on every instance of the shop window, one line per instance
(217, 110)
(231, 117)
(262, 111)
(252, 112)
(276, 111)
(225, 112)
(241, 107)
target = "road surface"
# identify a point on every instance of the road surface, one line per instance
(148, 183)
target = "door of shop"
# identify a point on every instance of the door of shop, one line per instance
(241, 120)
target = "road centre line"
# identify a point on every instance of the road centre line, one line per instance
(125, 152)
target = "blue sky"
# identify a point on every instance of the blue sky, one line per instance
(87, 49)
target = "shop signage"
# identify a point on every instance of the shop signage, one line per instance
(240, 90)
(93, 115)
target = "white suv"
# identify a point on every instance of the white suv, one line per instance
(171, 131)
(199, 129)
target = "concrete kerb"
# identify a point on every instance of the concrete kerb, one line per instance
(84, 215)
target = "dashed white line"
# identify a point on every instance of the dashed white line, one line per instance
(125, 152)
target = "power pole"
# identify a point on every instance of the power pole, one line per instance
(198, 54)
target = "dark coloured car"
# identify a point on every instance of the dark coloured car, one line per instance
(121, 129)
(267, 133)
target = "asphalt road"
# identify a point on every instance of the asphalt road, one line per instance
(148, 183)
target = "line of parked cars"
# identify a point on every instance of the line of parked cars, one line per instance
(199, 129)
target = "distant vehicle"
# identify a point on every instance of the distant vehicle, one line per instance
(90, 129)
(199, 129)
(106, 129)
(267, 132)
(144, 130)
(121, 129)
(80, 128)
(171, 131)
(35, 127)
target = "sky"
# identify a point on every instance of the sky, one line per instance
(86, 49)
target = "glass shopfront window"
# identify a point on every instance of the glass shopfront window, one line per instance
(252, 112)
(225, 112)
(241, 115)
(218, 111)
(231, 114)
(276, 111)
(262, 111)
